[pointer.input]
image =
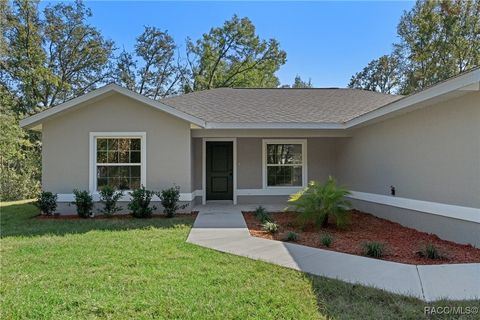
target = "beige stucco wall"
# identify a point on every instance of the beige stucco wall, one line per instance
(65, 154)
(321, 154)
(321, 159)
(430, 154)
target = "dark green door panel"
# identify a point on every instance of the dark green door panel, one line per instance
(219, 162)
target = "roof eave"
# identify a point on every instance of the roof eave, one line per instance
(274, 125)
(34, 121)
(468, 82)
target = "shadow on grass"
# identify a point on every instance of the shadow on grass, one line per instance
(18, 220)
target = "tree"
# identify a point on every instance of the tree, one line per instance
(438, 40)
(54, 57)
(232, 56)
(299, 83)
(160, 73)
(19, 157)
(381, 75)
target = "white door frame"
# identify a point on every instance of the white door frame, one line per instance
(204, 167)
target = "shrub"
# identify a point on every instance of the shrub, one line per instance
(317, 202)
(430, 251)
(83, 202)
(326, 239)
(140, 203)
(47, 203)
(169, 199)
(291, 236)
(262, 215)
(109, 198)
(374, 249)
(270, 227)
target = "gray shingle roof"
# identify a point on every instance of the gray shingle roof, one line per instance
(231, 105)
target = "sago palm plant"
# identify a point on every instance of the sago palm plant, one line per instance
(317, 202)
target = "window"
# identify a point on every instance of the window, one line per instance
(284, 163)
(118, 161)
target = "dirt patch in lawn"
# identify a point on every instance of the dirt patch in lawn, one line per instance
(401, 243)
(191, 215)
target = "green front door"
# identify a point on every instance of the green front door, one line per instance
(219, 170)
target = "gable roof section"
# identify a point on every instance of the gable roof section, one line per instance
(279, 106)
(330, 108)
(37, 119)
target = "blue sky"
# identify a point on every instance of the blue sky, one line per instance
(324, 41)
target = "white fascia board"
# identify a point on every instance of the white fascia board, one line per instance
(458, 83)
(32, 121)
(274, 125)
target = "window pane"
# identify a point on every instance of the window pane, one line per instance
(135, 144)
(123, 156)
(135, 171)
(135, 157)
(134, 183)
(102, 157)
(284, 153)
(119, 177)
(102, 144)
(112, 157)
(101, 182)
(124, 171)
(284, 176)
(102, 172)
(112, 144)
(124, 145)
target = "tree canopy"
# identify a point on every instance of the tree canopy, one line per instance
(438, 40)
(51, 57)
(232, 55)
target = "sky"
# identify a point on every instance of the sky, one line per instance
(327, 42)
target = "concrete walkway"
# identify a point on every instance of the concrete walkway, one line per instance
(222, 227)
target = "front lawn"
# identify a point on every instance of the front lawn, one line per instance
(142, 269)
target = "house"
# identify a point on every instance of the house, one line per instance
(412, 159)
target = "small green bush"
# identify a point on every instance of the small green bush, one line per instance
(262, 215)
(109, 197)
(430, 251)
(326, 239)
(47, 203)
(140, 203)
(318, 201)
(374, 249)
(83, 202)
(169, 199)
(291, 236)
(270, 227)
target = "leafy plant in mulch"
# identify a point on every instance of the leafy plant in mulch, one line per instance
(140, 203)
(291, 236)
(84, 203)
(262, 214)
(47, 203)
(326, 239)
(270, 227)
(109, 198)
(430, 251)
(319, 201)
(169, 199)
(373, 249)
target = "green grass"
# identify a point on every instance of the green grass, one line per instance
(144, 269)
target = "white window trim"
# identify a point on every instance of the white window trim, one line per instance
(303, 142)
(92, 182)
(204, 167)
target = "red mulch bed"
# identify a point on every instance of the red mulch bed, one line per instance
(401, 243)
(191, 215)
